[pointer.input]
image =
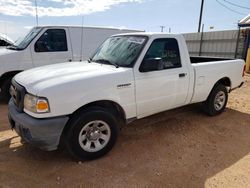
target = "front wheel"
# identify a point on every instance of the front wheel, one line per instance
(92, 133)
(217, 100)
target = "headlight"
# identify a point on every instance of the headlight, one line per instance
(36, 104)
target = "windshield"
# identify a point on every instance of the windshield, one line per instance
(120, 50)
(24, 42)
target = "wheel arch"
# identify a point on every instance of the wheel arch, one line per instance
(112, 106)
(223, 81)
(8, 75)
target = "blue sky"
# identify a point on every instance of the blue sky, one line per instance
(17, 16)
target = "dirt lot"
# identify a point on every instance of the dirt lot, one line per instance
(178, 148)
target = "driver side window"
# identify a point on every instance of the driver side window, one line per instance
(52, 40)
(162, 54)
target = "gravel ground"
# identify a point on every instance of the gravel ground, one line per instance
(177, 148)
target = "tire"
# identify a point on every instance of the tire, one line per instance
(216, 101)
(91, 133)
(5, 87)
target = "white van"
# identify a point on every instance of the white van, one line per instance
(46, 45)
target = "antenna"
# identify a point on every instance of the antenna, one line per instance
(36, 13)
(82, 40)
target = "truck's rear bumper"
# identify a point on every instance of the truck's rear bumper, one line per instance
(42, 133)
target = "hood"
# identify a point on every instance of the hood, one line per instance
(9, 59)
(8, 56)
(65, 75)
(7, 52)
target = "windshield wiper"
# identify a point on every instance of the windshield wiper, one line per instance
(105, 61)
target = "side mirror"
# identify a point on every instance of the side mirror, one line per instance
(151, 64)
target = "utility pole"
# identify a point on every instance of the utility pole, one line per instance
(200, 19)
(36, 14)
(201, 41)
(82, 38)
(162, 28)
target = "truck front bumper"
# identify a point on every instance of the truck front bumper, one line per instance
(42, 133)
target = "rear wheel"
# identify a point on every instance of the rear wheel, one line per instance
(217, 100)
(92, 133)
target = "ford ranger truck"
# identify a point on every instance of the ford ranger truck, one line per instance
(130, 76)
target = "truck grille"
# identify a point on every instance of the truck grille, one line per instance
(17, 93)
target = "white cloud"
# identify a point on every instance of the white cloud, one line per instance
(28, 27)
(120, 27)
(64, 8)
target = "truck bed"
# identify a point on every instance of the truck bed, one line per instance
(204, 59)
(208, 72)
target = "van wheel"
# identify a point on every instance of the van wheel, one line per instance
(92, 133)
(5, 87)
(217, 100)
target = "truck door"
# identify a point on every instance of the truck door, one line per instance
(52, 46)
(162, 80)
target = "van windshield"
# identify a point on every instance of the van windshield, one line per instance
(120, 50)
(24, 42)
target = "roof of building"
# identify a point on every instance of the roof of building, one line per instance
(245, 22)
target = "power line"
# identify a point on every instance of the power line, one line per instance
(234, 4)
(229, 8)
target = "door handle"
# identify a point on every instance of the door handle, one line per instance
(182, 75)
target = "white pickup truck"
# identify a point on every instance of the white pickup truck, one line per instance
(131, 76)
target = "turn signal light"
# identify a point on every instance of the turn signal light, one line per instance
(42, 106)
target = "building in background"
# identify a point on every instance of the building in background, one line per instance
(245, 23)
(225, 44)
